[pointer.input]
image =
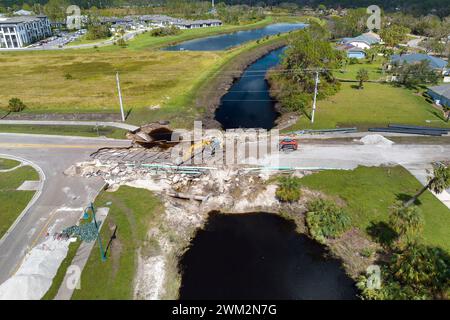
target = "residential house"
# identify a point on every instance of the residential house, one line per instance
(438, 64)
(364, 41)
(352, 51)
(440, 94)
(20, 31)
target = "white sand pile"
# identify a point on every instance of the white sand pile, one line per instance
(35, 275)
(376, 140)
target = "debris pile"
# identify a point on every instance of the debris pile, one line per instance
(376, 139)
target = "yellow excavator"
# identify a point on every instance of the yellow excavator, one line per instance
(200, 146)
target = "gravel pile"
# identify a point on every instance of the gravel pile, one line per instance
(376, 140)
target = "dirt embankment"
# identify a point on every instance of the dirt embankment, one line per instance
(211, 92)
(227, 190)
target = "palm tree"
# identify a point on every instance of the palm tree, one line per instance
(362, 76)
(437, 182)
(407, 222)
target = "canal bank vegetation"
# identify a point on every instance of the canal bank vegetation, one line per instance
(411, 244)
(293, 81)
(208, 94)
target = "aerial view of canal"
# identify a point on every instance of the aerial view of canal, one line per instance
(226, 41)
(248, 104)
(259, 256)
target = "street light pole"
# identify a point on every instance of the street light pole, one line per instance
(315, 97)
(120, 96)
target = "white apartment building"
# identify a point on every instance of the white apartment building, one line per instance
(20, 31)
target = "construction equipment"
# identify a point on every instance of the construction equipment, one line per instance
(288, 144)
(212, 143)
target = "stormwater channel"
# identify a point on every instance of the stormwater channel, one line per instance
(248, 104)
(226, 41)
(259, 256)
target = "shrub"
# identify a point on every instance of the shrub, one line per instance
(121, 43)
(165, 31)
(98, 32)
(68, 76)
(419, 272)
(326, 220)
(16, 105)
(288, 189)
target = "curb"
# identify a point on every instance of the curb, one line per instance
(35, 196)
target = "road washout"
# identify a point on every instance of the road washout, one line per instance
(225, 189)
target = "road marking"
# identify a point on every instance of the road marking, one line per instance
(45, 146)
(33, 244)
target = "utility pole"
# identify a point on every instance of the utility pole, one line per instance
(120, 96)
(315, 97)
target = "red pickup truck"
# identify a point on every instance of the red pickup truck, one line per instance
(288, 144)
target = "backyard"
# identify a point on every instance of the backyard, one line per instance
(376, 105)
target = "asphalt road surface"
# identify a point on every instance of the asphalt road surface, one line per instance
(62, 199)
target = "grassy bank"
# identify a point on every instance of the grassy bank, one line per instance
(133, 211)
(369, 192)
(6, 164)
(14, 201)
(376, 105)
(82, 131)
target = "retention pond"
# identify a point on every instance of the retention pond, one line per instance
(259, 256)
(226, 41)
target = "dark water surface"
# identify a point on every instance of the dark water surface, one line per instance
(259, 256)
(225, 41)
(248, 103)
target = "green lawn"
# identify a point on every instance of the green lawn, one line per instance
(82, 131)
(350, 71)
(133, 211)
(369, 192)
(8, 164)
(13, 201)
(376, 105)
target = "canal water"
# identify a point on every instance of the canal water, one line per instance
(248, 104)
(226, 41)
(259, 256)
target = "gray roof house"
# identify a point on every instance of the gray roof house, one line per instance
(440, 94)
(364, 41)
(435, 63)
